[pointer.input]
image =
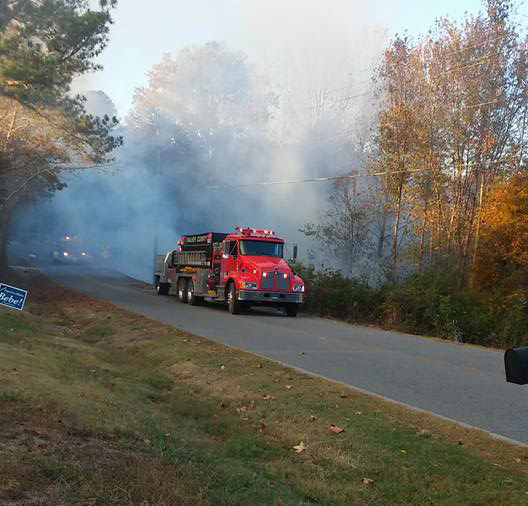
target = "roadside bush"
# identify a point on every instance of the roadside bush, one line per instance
(428, 303)
(329, 293)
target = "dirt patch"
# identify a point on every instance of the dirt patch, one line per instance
(206, 380)
(45, 459)
(36, 447)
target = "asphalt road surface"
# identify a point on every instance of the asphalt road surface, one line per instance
(459, 382)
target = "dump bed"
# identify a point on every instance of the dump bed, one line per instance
(201, 242)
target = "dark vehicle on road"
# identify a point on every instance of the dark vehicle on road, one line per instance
(68, 250)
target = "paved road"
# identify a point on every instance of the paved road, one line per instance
(463, 383)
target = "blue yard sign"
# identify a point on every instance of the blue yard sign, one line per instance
(12, 297)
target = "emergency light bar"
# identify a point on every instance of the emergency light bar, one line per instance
(255, 232)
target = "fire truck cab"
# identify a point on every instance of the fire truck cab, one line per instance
(243, 269)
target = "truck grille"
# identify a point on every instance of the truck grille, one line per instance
(275, 280)
(283, 283)
(267, 281)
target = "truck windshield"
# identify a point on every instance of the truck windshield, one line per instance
(261, 248)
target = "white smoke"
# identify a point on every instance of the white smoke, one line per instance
(318, 58)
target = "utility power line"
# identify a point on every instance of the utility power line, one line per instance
(484, 103)
(310, 180)
(495, 39)
(475, 63)
(344, 176)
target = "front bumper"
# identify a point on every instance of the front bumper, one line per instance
(263, 296)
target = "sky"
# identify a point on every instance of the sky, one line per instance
(266, 30)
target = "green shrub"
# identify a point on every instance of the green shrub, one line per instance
(427, 303)
(329, 293)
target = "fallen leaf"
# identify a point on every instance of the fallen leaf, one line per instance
(367, 481)
(336, 429)
(300, 447)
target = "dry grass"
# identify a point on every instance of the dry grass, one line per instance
(48, 460)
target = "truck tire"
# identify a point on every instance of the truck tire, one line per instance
(182, 290)
(192, 299)
(161, 288)
(292, 309)
(233, 303)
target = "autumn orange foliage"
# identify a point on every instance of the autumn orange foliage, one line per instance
(503, 250)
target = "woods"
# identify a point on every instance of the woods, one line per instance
(449, 151)
(44, 130)
(453, 127)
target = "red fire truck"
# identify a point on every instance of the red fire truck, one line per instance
(243, 269)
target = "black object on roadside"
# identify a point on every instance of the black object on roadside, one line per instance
(516, 365)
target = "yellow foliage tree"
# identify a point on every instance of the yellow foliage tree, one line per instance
(504, 233)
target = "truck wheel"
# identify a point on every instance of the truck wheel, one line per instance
(162, 288)
(292, 309)
(192, 299)
(182, 290)
(232, 301)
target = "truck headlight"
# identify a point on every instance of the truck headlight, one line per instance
(248, 285)
(298, 288)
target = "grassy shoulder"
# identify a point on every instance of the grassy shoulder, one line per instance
(101, 406)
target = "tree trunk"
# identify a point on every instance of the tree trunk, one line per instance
(395, 234)
(381, 238)
(3, 243)
(477, 231)
(422, 238)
